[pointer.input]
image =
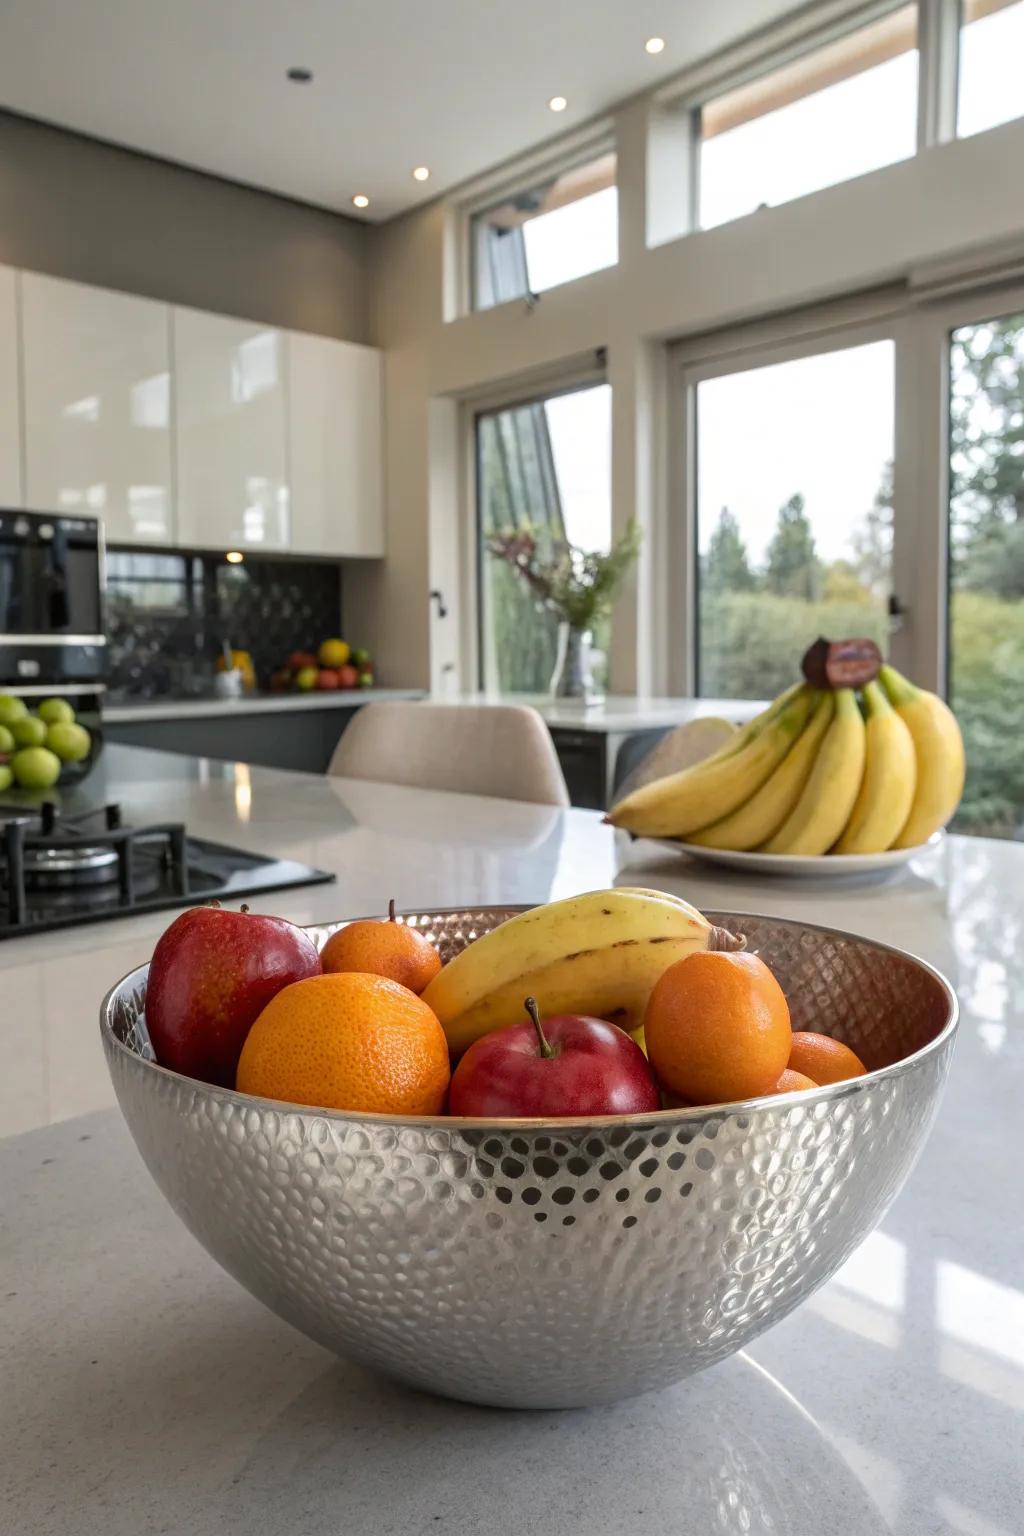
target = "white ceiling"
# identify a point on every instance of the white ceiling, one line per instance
(458, 85)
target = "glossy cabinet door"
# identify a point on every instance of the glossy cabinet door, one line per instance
(97, 407)
(230, 420)
(334, 418)
(10, 398)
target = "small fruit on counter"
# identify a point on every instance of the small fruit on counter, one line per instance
(794, 1082)
(30, 731)
(348, 677)
(939, 748)
(567, 1064)
(333, 654)
(69, 740)
(36, 767)
(597, 954)
(348, 1041)
(360, 658)
(300, 659)
(306, 677)
(11, 708)
(7, 742)
(281, 680)
(823, 1059)
(327, 679)
(387, 948)
(213, 972)
(56, 712)
(6, 777)
(718, 1028)
(366, 679)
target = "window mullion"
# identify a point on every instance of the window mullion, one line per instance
(938, 41)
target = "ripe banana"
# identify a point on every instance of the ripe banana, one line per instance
(599, 953)
(828, 796)
(696, 797)
(939, 748)
(767, 809)
(890, 776)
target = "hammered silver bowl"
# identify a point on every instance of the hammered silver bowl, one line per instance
(549, 1265)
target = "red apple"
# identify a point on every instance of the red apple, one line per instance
(212, 973)
(567, 1065)
(328, 677)
(348, 677)
(299, 659)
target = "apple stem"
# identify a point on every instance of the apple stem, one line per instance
(244, 907)
(391, 910)
(546, 1050)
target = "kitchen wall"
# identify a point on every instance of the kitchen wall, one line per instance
(77, 208)
(169, 614)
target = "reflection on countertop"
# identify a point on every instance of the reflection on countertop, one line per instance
(125, 710)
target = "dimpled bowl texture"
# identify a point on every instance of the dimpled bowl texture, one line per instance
(552, 1265)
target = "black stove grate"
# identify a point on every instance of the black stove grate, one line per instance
(158, 867)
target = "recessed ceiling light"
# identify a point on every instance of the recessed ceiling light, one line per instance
(361, 200)
(300, 74)
(234, 557)
(655, 45)
(558, 103)
(421, 173)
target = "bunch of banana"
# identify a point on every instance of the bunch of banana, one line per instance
(600, 953)
(821, 770)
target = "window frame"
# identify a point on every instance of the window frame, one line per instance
(529, 172)
(821, 33)
(831, 328)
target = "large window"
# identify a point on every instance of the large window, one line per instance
(991, 64)
(845, 109)
(543, 465)
(987, 569)
(793, 513)
(551, 233)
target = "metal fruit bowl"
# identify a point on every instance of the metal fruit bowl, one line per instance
(546, 1265)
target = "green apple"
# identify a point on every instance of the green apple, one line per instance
(56, 712)
(28, 732)
(360, 659)
(11, 709)
(306, 678)
(7, 742)
(70, 741)
(36, 767)
(6, 777)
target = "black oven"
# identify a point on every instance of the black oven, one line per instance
(51, 598)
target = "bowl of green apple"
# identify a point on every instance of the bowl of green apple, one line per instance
(43, 745)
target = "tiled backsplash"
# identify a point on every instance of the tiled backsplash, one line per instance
(168, 615)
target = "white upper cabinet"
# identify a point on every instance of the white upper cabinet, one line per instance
(334, 420)
(10, 402)
(97, 407)
(230, 418)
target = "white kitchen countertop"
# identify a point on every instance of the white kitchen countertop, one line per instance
(618, 713)
(138, 711)
(145, 1391)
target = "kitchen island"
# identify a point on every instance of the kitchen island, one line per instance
(146, 1392)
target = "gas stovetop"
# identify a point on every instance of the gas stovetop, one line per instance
(58, 870)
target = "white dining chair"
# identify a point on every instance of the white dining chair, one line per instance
(503, 750)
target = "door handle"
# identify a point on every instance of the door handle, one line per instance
(897, 612)
(438, 598)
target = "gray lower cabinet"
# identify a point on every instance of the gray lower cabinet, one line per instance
(298, 739)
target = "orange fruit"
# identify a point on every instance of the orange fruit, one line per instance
(793, 1082)
(823, 1059)
(717, 1028)
(347, 1041)
(383, 949)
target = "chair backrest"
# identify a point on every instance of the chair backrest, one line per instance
(504, 750)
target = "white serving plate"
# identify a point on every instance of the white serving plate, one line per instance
(800, 867)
